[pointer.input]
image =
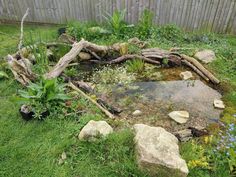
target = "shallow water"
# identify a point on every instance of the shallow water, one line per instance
(157, 99)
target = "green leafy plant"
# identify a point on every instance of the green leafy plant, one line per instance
(135, 66)
(145, 24)
(116, 21)
(43, 95)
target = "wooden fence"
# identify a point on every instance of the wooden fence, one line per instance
(207, 15)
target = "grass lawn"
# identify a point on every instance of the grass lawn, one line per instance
(32, 149)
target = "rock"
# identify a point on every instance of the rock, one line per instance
(84, 56)
(186, 75)
(206, 56)
(184, 135)
(94, 129)
(137, 113)
(179, 116)
(158, 151)
(219, 104)
(198, 131)
(62, 159)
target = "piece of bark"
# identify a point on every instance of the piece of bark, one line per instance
(106, 112)
(198, 65)
(196, 70)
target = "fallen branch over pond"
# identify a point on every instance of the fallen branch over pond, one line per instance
(71, 85)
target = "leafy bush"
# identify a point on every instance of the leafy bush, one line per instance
(170, 33)
(43, 96)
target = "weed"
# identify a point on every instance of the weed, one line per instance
(135, 66)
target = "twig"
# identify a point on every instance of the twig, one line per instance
(71, 85)
(21, 29)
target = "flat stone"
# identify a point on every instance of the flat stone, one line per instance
(219, 104)
(158, 151)
(137, 113)
(184, 135)
(205, 56)
(95, 129)
(179, 116)
(186, 75)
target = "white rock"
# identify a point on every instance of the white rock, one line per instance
(219, 104)
(179, 116)
(95, 129)
(186, 75)
(206, 56)
(158, 151)
(84, 56)
(137, 113)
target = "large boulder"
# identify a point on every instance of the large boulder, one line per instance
(158, 152)
(205, 56)
(95, 129)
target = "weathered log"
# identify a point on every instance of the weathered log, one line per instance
(196, 70)
(125, 58)
(76, 49)
(106, 112)
(198, 65)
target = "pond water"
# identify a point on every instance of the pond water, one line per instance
(157, 99)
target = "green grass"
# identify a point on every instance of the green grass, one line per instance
(33, 148)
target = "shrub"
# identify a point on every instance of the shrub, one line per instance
(170, 33)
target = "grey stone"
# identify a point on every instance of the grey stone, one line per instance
(137, 113)
(206, 56)
(95, 129)
(158, 151)
(184, 135)
(84, 56)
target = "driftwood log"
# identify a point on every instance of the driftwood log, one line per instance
(158, 54)
(201, 68)
(21, 69)
(76, 49)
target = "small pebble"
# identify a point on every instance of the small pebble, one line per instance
(219, 104)
(137, 113)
